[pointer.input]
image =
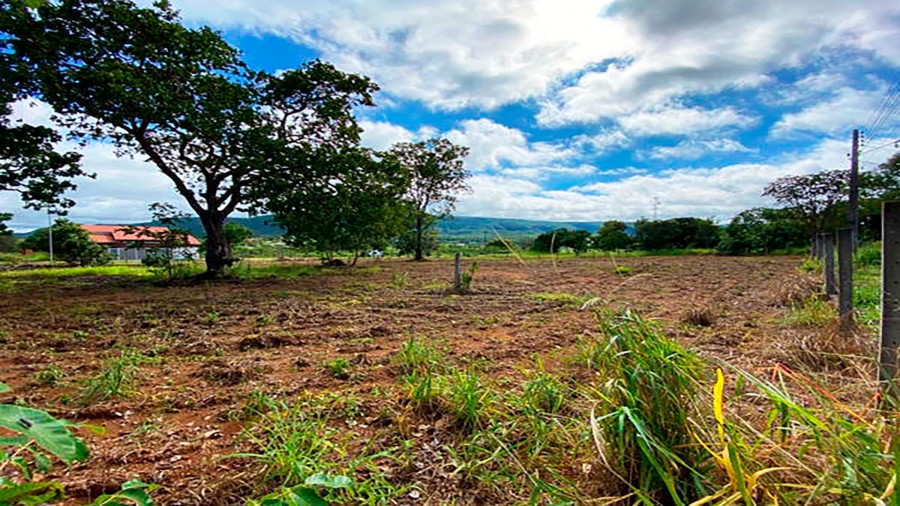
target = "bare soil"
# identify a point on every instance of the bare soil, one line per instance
(212, 345)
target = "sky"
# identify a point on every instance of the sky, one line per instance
(573, 109)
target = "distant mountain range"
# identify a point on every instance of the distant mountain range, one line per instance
(467, 229)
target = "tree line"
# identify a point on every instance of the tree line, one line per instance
(810, 204)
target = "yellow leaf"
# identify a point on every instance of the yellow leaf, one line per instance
(719, 401)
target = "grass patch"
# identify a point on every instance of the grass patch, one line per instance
(138, 271)
(567, 299)
(811, 311)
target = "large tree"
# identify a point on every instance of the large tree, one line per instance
(437, 175)
(181, 98)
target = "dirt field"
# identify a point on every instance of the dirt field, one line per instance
(209, 349)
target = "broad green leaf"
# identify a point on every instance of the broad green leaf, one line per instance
(324, 480)
(48, 432)
(134, 493)
(303, 496)
(4, 388)
(31, 494)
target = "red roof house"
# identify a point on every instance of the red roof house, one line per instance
(127, 242)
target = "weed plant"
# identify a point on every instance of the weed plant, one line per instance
(302, 456)
(116, 378)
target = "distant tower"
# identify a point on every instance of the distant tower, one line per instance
(656, 202)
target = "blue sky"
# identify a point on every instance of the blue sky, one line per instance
(573, 109)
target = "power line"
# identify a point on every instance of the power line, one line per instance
(894, 143)
(886, 110)
(878, 110)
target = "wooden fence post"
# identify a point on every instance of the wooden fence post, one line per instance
(830, 282)
(890, 295)
(845, 273)
(457, 272)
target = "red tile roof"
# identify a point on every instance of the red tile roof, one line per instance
(108, 234)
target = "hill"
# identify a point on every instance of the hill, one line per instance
(467, 229)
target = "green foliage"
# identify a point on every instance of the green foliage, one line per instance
(624, 270)
(613, 236)
(563, 298)
(236, 233)
(346, 200)
(71, 243)
(545, 393)
(7, 241)
(811, 265)
(676, 233)
(467, 277)
(868, 255)
(400, 280)
(762, 230)
(436, 175)
(302, 457)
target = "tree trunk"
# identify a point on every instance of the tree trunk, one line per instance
(218, 251)
(419, 224)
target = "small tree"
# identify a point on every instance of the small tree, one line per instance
(71, 243)
(816, 198)
(436, 176)
(612, 236)
(169, 243)
(7, 241)
(237, 234)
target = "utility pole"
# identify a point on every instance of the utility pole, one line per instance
(656, 202)
(50, 233)
(853, 203)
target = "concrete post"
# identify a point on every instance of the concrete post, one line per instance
(845, 273)
(890, 295)
(830, 282)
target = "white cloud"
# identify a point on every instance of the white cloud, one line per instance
(718, 192)
(693, 149)
(493, 146)
(845, 108)
(684, 121)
